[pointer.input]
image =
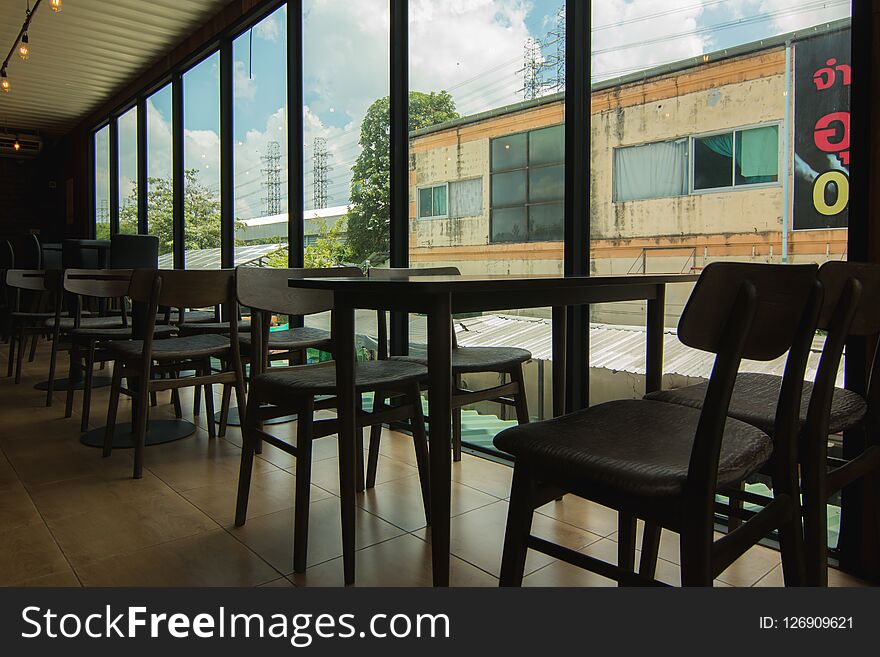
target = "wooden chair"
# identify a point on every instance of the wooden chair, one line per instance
(851, 307)
(7, 262)
(30, 323)
(504, 361)
(280, 391)
(139, 359)
(86, 338)
(665, 462)
(291, 343)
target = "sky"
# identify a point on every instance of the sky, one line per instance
(471, 48)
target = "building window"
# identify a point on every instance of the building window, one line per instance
(527, 186)
(657, 170)
(432, 202)
(466, 198)
(736, 158)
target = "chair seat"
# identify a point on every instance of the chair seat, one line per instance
(192, 316)
(190, 328)
(755, 396)
(279, 384)
(119, 333)
(467, 360)
(298, 337)
(185, 348)
(67, 323)
(636, 447)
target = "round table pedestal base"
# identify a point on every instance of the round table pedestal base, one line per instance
(61, 384)
(158, 432)
(234, 420)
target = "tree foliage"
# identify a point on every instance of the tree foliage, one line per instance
(369, 217)
(329, 250)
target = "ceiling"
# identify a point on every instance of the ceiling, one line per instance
(82, 55)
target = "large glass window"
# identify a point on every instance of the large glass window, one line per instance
(528, 186)
(201, 161)
(160, 170)
(260, 153)
(739, 157)
(128, 171)
(651, 171)
(102, 183)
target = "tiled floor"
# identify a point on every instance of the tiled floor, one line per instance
(69, 517)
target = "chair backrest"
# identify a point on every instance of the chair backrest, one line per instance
(386, 274)
(834, 276)
(755, 311)
(49, 254)
(98, 283)
(32, 279)
(134, 251)
(7, 255)
(196, 288)
(266, 288)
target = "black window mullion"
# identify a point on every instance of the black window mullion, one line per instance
(399, 179)
(93, 191)
(227, 188)
(142, 164)
(113, 175)
(177, 170)
(295, 136)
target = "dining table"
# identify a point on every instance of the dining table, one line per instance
(438, 298)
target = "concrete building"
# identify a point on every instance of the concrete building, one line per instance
(275, 226)
(486, 190)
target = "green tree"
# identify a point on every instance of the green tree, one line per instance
(369, 217)
(201, 212)
(329, 250)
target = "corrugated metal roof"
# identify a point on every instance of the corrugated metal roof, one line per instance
(211, 258)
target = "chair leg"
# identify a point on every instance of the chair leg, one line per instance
(33, 354)
(112, 407)
(75, 366)
(626, 542)
(175, 400)
(791, 548)
(142, 403)
(456, 425)
(420, 442)
(53, 360)
(249, 439)
(22, 345)
(696, 556)
(733, 522)
(375, 438)
(304, 436)
(224, 409)
(650, 550)
(87, 386)
(519, 527)
(209, 402)
(522, 402)
(360, 465)
(10, 367)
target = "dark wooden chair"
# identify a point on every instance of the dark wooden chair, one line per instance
(504, 361)
(153, 365)
(85, 338)
(43, 286)
(304, 389)
(665, 462)
(7, 262)
(851, 307)
(290, 344)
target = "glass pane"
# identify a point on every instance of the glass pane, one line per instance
(757, 155)
(713, 161)
(546, 184)
(508, 188)
(259, 109)
(102, 183)
(547, 146)
(426, 203)
(546, 222)
(509, 225)
(160, 167)
(346, 62)
(128, 155)
(509, 152)
(440, 201)
(201, 161)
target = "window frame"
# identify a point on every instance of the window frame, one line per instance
(527, 168)
(687, 173)
(419, 188)
(733, 186)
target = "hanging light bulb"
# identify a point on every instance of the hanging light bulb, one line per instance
(4, 81)
(17, 145)
(24, 49)
(55, 5)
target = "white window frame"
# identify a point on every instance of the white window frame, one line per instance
(419, 204)
(733, 186)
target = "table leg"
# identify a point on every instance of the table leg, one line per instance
(440, 405)
(343, 337)
(654, 337)
(558, 324)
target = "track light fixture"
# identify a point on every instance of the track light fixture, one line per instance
(16, 145)
(22, 45)
(24, 48)
(4, 81)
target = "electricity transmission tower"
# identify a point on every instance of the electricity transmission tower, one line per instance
(272, 170)
(555, 63)
(544, 62)
(320, 168)
(531, 69)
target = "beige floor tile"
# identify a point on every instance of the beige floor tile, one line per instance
(270, 492)
(751, 566)
(402, 561)
(207, 559)
(582, 513)
(484, 475)
(271, 536)
(29, 552)
(400, 501)
(63, 579)
(280, 583)
(121, 528)
(325, 473)
(16, 508)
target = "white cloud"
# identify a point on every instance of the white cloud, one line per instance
(790, 17)
(270, 28)
(244, 84)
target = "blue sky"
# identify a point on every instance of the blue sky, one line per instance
(473, 48)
